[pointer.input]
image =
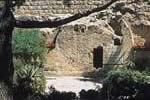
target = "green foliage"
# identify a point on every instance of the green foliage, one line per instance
(28, 46)
(29, 56)
(140, 64)
(132, 82)
(126, 84)
(57, 95)
(31, 76)
(89, 95)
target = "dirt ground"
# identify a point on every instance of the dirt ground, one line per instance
(74, 84)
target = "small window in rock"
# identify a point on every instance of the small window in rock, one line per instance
(117, 41)
(98, 57)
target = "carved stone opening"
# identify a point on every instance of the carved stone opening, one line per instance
(117, 41)
(98, 57)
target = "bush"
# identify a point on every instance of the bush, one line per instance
(126, 84)
(89, 95)
(57, 95)
(29, 56)
(140, 64)
(31, 76)
(28, 46)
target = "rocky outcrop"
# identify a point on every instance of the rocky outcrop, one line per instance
(117, 29)
(77, 41)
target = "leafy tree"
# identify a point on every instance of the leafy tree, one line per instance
(29, 55)
(28, 46)
(126, 84)
(7, 24)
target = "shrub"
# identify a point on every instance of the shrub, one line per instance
(126, 84)
(30, 81)
(141, 64)
(29, 56)
(28, 46)
(31, 76)
(89, 95)
(57, 95)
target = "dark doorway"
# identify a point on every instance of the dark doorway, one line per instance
(117, 41)
(98, 57)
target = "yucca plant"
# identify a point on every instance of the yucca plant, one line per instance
(29, 56)
(31, 77)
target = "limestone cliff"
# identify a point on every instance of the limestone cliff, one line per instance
(117, 30)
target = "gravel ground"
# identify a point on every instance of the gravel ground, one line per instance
(74, 84)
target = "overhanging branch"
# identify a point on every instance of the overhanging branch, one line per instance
(34, 22)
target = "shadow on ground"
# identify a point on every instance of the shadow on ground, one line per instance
(98, 75)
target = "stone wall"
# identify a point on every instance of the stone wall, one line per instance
(49, 7)
(63, 7)
(126, 23)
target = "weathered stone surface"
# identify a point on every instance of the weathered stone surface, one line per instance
(125, 23)
(77, 40)
(141, 30)
(128, 40)
(49, 7)
(57, 7)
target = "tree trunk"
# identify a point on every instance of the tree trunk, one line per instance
(6, 65)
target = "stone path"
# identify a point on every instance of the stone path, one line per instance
(74, 84)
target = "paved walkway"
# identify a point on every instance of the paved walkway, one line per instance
(74, 84)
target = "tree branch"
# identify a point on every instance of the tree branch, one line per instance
(34, 22)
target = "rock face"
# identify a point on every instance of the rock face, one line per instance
(77, 40)
(125, 25)
(117, 30)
